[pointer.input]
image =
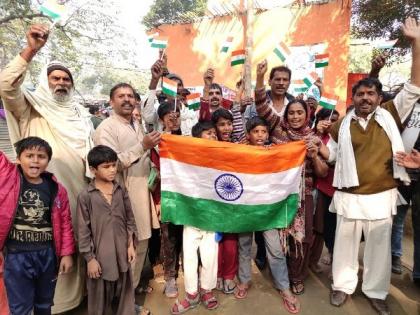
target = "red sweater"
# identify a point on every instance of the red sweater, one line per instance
(10, 184)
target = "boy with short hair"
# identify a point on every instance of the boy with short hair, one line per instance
(106, 236)
(228, 246)
(195, 239)
(35, 228)
(169, 117)
(258, 134)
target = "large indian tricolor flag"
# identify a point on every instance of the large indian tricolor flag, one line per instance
(225, 187)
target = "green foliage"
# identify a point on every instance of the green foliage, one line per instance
(91, 35)
(374, 19)
(174, 11)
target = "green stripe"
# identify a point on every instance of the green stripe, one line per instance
(158, 45)
(194, 106)
(225, 49)
(321, 64)
(50, 13)
(307, 82)
(300, 89)
(326, 105)
(210, 215)
(279, 54)
(168, 91)
(237, 62)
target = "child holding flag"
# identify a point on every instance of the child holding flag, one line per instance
(228, 246)
(205, 241)
(258, 134)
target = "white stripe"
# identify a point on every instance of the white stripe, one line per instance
(194, 100)
(168, 86)
(322, 60)
(238, 57)
(329, 100)
(198, 182)
(160, 42)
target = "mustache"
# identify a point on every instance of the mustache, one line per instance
(61, 89)
(127, 103)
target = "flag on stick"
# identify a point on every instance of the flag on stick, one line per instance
(169, 87)
(160, 42)
(299, 86)
(238, 57)
(385, 44)
(214, 192)
(53, 9)
(227, 44)
(310, 79)
(150, 37)
(193, 101)
(321, 60)
(328, 101)
(282, 51)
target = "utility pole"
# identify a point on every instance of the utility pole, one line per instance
(247, 14)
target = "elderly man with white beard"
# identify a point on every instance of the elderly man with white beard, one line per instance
(51, 113)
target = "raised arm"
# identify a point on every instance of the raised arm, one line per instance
(208, 80)
(410, 94)
(11, 78)
(261, 102)
(148, 110)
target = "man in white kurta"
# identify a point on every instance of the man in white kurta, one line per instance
(52, 114)
(124, 135)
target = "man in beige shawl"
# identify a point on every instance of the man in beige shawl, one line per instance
(126, 137)
(52, 114)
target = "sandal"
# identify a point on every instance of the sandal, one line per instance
(146, 290)
(229, 286)
(208, 299)
(140, 310)
(190, 302)
(298, 287)
(291, 303)
(241, 292)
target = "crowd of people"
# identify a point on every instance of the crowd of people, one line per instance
(80, 210)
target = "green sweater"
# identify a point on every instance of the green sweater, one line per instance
(373, 154)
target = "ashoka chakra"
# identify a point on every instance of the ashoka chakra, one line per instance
(228, 187)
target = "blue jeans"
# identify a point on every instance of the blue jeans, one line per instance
(30, 279)
(410, 193)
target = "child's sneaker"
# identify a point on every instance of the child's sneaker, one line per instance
(229, 286)
(191, 301)
(171, 289)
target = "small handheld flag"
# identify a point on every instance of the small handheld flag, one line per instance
(282, 51)
(328, 101)
(321, 60)
(299, 86)
(160, 42)
(227, 44)
(238, 57)
(53, 9)
(193, 101)
(385, 44)
(150, 37)
(169, 87)
(310, 79)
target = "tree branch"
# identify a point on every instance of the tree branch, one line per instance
(10, 18)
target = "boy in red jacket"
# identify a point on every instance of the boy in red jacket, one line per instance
(36, 233)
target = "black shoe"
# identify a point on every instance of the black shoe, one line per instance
(337, 298)
(396, 265)
(380, 306)
(417, 282)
